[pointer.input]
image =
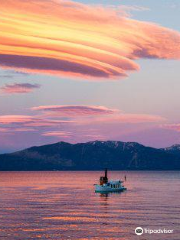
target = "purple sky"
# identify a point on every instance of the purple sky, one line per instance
(113, 76)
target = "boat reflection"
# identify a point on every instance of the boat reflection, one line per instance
(107, 195)
(106, 198)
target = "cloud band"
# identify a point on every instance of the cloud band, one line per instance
(71, 39)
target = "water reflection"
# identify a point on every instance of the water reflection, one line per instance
(63, 205)
(105, 196)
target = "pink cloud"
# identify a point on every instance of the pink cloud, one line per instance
(98, 114)
(74, 136)
(175, 126)
(9, 119)
(30, 121)
(4, 130)
(81, 120)
(75, 110)
(19, 88)
(81, 40)
(59, 134)
(131, 118)
(74, 123)
(13, 130)
(40, 129)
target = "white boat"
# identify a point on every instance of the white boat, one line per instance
(106, 186)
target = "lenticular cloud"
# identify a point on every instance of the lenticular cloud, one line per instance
(75, 110)
(19, 88)
(71, 39)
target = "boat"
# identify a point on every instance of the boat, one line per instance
(106, 186)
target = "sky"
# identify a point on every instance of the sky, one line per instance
(79, 71)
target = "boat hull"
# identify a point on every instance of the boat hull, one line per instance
(102, 189)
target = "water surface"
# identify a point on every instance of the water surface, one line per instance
(63, 205)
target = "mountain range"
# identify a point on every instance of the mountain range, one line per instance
(95, 155)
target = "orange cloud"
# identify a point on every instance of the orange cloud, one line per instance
(72, 39)
(19, 88)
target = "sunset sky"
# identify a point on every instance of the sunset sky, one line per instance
(80, 71)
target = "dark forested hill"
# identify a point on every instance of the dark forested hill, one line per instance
(94, 155)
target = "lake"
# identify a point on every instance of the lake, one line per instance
(63, 205)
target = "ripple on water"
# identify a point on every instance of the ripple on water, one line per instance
(63, 205)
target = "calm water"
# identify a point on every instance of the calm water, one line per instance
(63, 205)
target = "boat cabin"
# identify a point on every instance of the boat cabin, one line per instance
(114, 184)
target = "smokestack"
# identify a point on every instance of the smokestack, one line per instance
(105, 173)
